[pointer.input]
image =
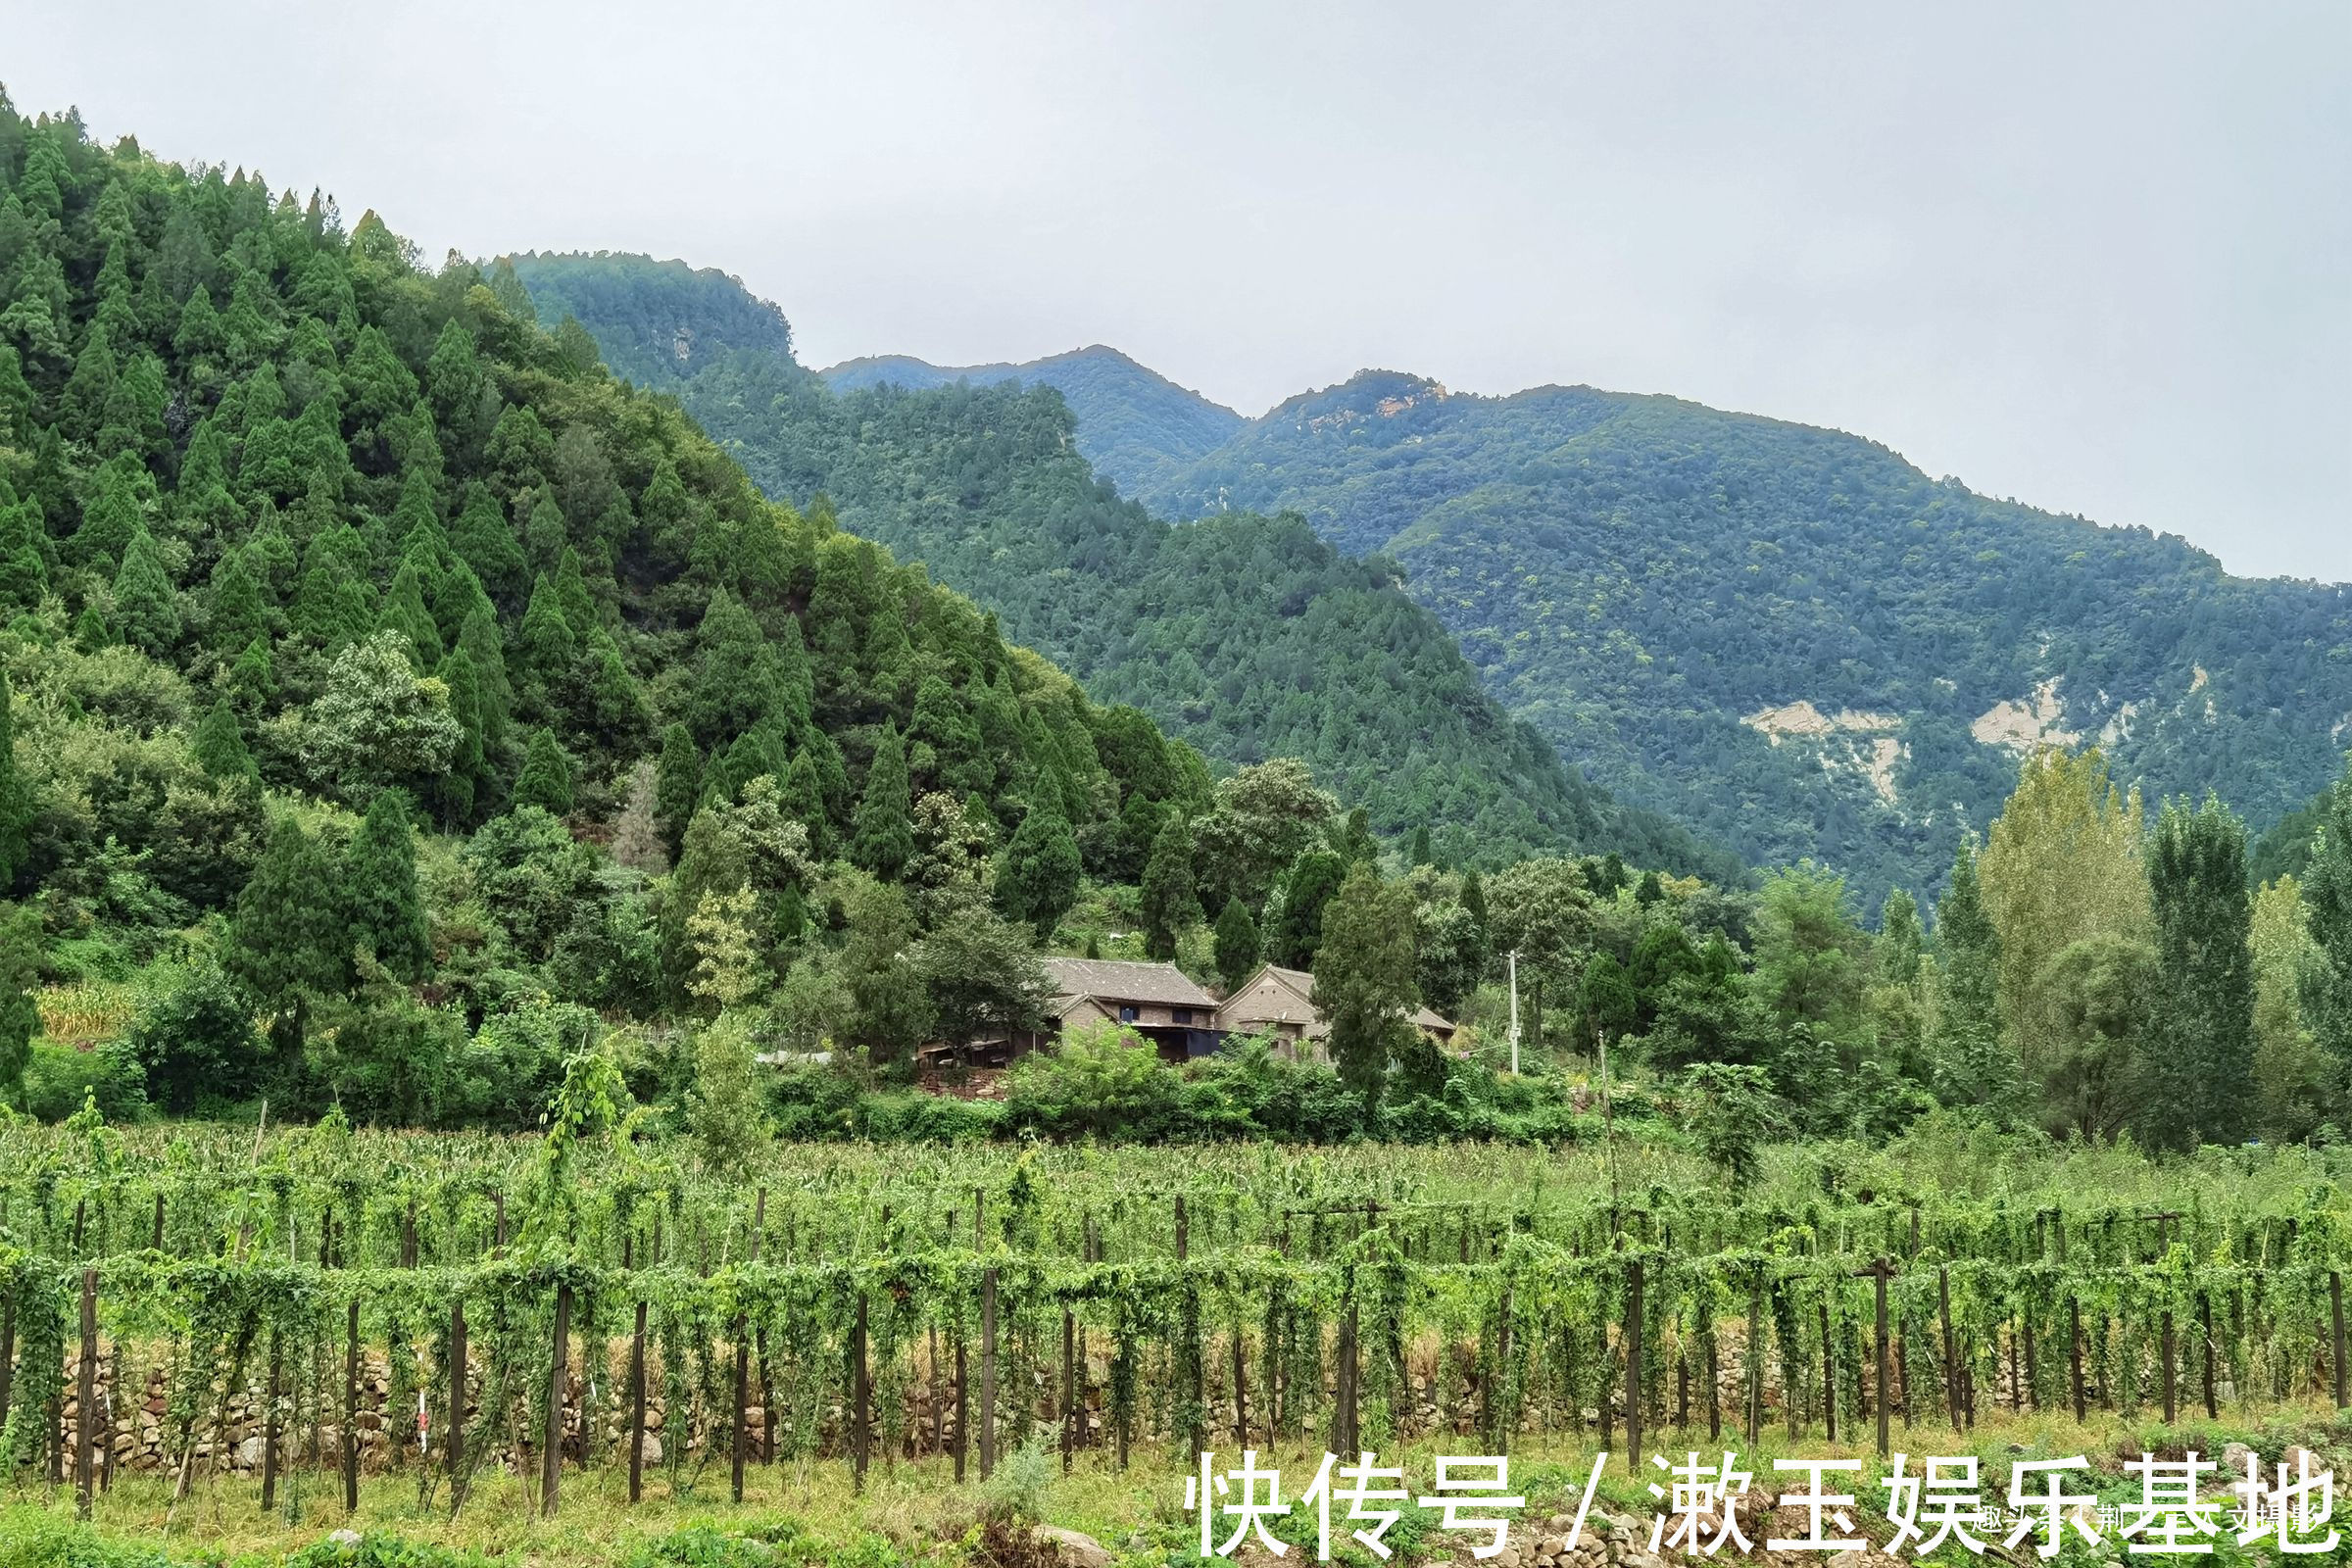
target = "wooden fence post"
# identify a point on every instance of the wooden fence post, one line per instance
(455, 1445)
(157, 1243)
(550, 1458)
(85, 1393)
(988, 1372)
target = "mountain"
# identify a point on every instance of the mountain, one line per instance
(1246, 635)
(1132, 421)
(1789, 637)
(317, 566)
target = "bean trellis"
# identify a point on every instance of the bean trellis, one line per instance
(941, 1305)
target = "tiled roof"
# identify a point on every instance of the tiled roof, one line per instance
(1118, 980)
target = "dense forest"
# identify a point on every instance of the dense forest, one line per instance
(1246, 635)
(1133, 422)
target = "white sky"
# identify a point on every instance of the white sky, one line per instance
(2096, 257)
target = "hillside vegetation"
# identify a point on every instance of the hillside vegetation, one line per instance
(1246, 635)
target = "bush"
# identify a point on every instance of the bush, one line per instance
(1102, 1081)
(197, 1039)
(59, 1077)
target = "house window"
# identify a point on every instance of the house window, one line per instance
(1127, 1015)
(1182, 1014)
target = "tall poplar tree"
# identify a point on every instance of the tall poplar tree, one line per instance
(2202, 1067)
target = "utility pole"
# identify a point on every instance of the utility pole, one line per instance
(1514, 1012)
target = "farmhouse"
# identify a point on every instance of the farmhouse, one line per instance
(1155, 1000)
(1278, 1003)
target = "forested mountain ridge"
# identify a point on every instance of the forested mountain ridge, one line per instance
(1133, 422)
(1791, 637)
(380, 665)
(1246, 635)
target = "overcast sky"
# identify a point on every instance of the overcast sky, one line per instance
(2096, 257)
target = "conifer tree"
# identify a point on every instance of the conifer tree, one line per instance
(252, 678)
(1298, 924)
(469, 774)
(484, 541)
(238, 615)
(546, 780)
(15, 794)
(144, 600)
(1420, 854)
(405, 613)
(2203, 1019)
(380, 900)
(883, 837)
(219, 744)
(546, 644)
(1237, 943)
(1039, 881)
(1170, 901)
(284, 942)
(678, 786)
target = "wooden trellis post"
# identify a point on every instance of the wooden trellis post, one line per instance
(351, 1410)
(1754, 1358)
(861, 1436)
(1877, 1274)
(550, 1458)
(2074, 1354)
(988, 1372)
(270, 1430)
(1829, 1378)
(1951, 1351)
(1632, 1368)
(2335, 1303)
(636, 1397)
(85, 1393)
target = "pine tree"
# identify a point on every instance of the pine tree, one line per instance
(219, 744)
(1170, 901)
(1039, 880)
(2204, 1016)
(252, 678)
(405, 613)
(469, 774)
(1298, 924)
(1420, 854)
(284, 940)
(15, 794)
(883, 834)
(678, 786)
(546, 644)
(238, 615)
(1237, 943)
(546, 780)
(483, 539)
(385, 910)
(144, 599)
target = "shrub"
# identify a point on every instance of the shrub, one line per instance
(1102, 1081)
(59, 1077)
